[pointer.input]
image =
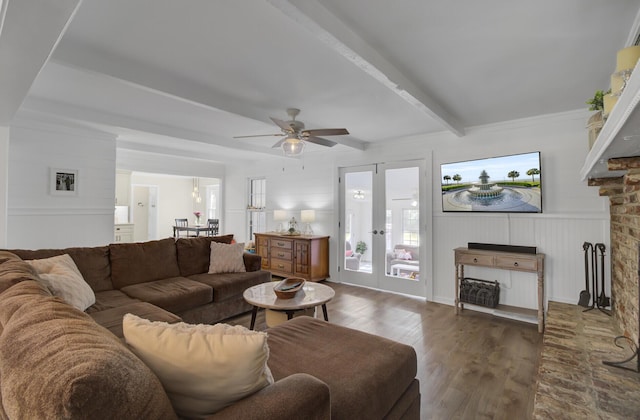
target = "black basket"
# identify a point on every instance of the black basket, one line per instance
(479, 292)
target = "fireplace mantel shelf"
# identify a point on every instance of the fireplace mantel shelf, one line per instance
(619, 136)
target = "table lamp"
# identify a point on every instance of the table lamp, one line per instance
(308, 216)
(279, 216)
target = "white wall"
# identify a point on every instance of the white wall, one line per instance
(572, 212)
(37, 219)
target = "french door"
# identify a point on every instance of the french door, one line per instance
(382, 229)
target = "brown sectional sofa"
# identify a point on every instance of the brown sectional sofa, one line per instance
(58, 362)
(164, 280)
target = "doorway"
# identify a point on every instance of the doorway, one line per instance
(145, 212)
(383, 226)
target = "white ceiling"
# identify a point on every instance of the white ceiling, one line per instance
(158, 73)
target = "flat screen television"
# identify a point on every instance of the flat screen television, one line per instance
(507, 184)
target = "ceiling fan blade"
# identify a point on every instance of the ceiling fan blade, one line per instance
(279, 143)
(257, 135)
(282, 124)
(320, 141)
(325, 132)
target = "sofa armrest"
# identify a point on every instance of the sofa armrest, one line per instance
(252, 262)
(298, 396)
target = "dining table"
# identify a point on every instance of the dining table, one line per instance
(195, 228)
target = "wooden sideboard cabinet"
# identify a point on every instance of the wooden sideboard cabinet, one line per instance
(305, 256)
(530, 263)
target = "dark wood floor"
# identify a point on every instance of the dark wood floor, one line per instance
(471, 366)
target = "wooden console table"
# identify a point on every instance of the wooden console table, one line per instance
(530, 263)
(305, 256)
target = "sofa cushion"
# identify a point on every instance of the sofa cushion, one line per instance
(13, 271)
(76, 369)
(133, 263)
(226, 258)
(174, 294)
(231, 285)
(366, 374)
(93, 263)
(204, 368)
(61, 275)
(108, 299)
(194, 253)
(111, 319)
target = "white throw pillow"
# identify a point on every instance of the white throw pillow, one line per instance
(61, 276)
(203, 368)
(226, 258)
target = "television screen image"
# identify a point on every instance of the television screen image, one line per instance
(509, 184)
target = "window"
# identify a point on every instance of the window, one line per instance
(410, 227)
(212, 196)
(256, 206)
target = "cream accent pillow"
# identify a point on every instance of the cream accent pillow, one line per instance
(203, 368)
(61, 276)
(226, 258)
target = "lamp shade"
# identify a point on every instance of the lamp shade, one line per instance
(292, 147)
(308, 216)
(279, 215)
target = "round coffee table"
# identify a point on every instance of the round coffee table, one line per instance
(311, 295)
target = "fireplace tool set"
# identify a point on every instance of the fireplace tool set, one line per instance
(600, 300)
(594, 292)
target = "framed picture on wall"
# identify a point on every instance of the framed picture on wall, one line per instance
(64, 182)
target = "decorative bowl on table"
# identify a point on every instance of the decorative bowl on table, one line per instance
(287, 288)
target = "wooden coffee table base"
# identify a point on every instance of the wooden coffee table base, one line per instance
(312, 295)
(254, 314)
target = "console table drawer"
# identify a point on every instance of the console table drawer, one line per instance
(282, 243)
(281, 254)
(479, 259)
(281, 265)
(515, 263)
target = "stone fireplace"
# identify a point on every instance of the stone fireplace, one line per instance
(624, 199)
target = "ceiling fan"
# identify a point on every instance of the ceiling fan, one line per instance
(296, 135)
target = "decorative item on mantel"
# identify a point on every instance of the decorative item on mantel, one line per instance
(604, 102)
(596, 121)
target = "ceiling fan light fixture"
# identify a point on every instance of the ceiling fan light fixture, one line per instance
(292, 146)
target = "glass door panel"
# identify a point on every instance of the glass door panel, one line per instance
(357, 221)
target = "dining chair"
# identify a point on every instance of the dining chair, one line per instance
(213, 226)
(181, 223)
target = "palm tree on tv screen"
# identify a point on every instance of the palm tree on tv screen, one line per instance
(532, 172)
(513, 175)
(446, 178)
(457, 178)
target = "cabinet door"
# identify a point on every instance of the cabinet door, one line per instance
(302, 257)
(262, 249)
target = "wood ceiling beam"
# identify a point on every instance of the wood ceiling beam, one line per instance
(157, 82)
(330, 30)
(83, 116)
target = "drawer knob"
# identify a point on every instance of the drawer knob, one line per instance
(515, 264)
(280, 254)
(475, 260)
(281, 266)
